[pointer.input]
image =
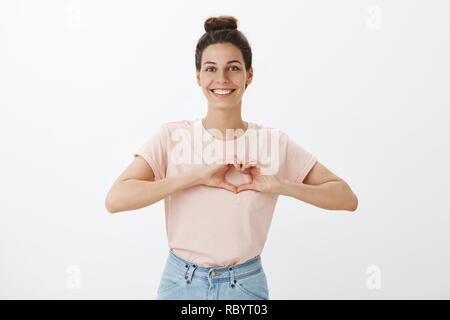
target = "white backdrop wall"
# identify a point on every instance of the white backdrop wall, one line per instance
(363, 85)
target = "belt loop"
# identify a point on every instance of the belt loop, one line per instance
(231, 276)
(190, 270)
(209, 276)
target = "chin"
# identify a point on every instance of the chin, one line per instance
(220, 105)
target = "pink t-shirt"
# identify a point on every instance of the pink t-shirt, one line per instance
(212, 226)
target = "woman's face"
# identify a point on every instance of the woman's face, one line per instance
(223, 67)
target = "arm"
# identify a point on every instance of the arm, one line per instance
(136, 187)
(321, 188)
(331, 195)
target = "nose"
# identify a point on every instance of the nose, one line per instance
(223, 76)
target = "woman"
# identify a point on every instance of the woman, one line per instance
(220, 196)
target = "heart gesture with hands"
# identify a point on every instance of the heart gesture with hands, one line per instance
(261, 183)
(214, 176)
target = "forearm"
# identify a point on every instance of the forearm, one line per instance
(331, 195)
(134, 194)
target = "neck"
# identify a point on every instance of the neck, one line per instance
(222, 120)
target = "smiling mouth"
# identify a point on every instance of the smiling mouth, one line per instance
(222, 95)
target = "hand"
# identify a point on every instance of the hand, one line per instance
(244, 168)
(261, 183)
(214, 176)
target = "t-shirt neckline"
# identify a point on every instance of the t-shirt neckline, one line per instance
(250, 126)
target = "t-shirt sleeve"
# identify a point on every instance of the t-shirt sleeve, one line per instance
(154, 151)
(298, 161)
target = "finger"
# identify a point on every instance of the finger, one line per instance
(246, 186)
(225, 170)
(229, 187)
(255, 170)
(236, 165)
(222, 168)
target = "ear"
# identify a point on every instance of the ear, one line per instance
(250, 76)
(198, 78)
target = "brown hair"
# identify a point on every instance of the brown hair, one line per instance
(223, 29)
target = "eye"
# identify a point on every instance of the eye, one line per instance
(237, 68)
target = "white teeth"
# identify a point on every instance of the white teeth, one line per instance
(222, 91)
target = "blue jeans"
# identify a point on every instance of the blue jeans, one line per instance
(184, 280)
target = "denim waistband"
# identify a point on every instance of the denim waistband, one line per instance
(219, 274)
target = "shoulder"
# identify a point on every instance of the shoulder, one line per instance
(168, 128)
(178, 124)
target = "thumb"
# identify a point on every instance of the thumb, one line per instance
(256, 171)
(246, 186)
(228, 186)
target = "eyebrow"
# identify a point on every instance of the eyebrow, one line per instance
(212, 62)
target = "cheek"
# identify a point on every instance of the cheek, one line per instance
(240, 79)
(206, 82)
(237, 77)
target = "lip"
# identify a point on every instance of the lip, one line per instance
(222, 96)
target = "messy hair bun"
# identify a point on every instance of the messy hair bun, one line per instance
(219, 23)
(223, 29)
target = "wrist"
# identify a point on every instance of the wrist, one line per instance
(281, 187)
(193, 179)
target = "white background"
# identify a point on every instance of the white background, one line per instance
(363, 85)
